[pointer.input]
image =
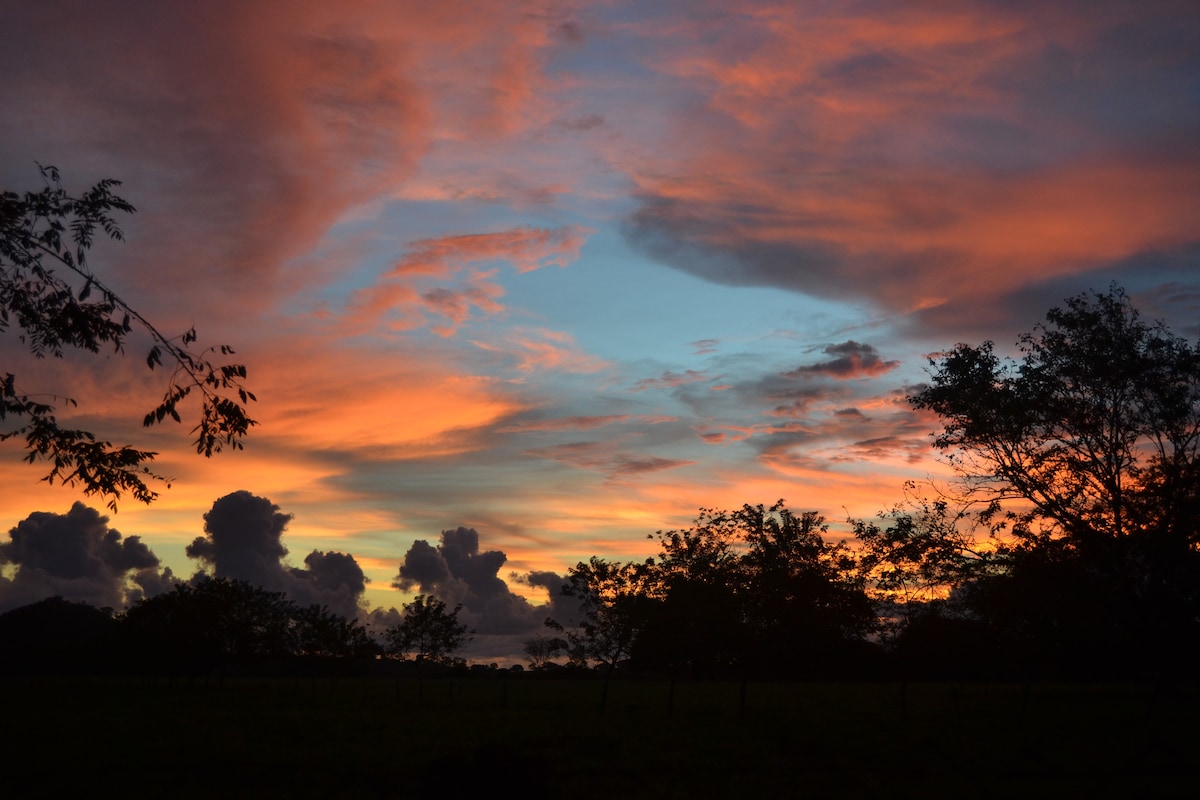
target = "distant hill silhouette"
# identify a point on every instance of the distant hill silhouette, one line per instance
(54, 636)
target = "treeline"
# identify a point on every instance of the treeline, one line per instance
(764, 593)
(216, 626)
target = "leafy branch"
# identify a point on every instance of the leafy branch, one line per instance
(47, 230)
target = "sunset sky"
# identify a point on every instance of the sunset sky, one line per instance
(565, 272)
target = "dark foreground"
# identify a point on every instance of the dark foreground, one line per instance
(514, 736)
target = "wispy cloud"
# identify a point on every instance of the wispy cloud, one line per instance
(604, 458)
(405, 296)
(524, 248)
(538, 349)
(670, 380)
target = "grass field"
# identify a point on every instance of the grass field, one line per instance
(518, 737)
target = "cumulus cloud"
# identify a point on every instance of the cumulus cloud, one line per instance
(244, 541)
(850, 360)
(78, 557)
(457, 571)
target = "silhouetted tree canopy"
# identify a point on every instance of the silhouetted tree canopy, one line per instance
(54, 301)
(428, 631)
(1096, 428)
(1086, 454)
(753, 590)
(759, 589)
(212, 622)
(321, 632)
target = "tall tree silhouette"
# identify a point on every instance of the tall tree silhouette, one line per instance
(1087, 453)
(1096, 428)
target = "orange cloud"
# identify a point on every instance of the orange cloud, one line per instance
(331, 398)
(396, 299)
(525, 248)
(538, 349)
(850, 360)
(918, 155)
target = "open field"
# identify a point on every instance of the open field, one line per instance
(514, 736)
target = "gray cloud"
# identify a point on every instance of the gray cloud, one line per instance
(850, 360)
(78, 557)
(670, 380)
(1162, 283)
(604, 458)
(457, 572)
(244, 541)
(584, 123)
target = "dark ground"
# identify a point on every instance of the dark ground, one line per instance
(516, 736)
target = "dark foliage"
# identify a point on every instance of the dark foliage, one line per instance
(1096, 429)
(52, 311)
(218, 623)
(758, 590)
(428, 631)
(1086, 456)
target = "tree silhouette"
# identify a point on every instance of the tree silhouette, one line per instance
(697, 624)
(806, 599)
(209, 625)
(428, 631)
(322, 633)
(47, 230)
(542, 650)
(1096, 429)
(1086, 452)
(748, 591)
(611, 597)
(925, 548)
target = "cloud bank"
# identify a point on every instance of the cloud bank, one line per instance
(76, 556)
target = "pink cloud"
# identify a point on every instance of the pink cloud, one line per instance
(919, 155)
(243, 132)
(446, 259)
(538, 349)
(524, 248)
